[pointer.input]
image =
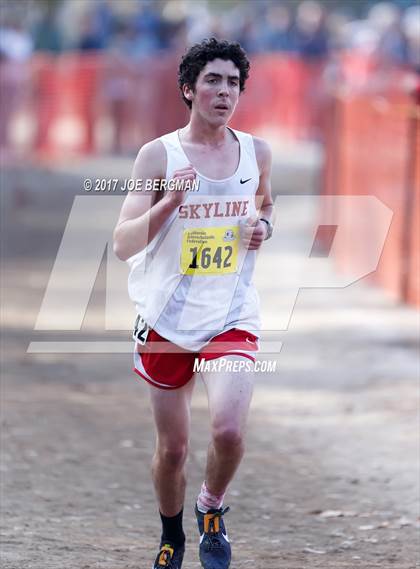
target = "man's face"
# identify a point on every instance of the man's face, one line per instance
(216, 91)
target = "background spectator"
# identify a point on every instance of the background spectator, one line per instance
(309, 29)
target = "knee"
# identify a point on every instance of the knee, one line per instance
(172, 456)
(227, 438)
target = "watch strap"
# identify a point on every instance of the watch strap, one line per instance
(269, 227)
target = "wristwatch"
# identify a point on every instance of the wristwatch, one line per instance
(269, 228)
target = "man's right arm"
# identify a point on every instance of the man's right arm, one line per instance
(142, 215)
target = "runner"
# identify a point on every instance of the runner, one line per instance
(192, 255)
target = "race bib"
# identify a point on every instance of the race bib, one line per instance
(141, 330)
(209, 250)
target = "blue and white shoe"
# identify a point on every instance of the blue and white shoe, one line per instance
(169, 557)
(215, 552)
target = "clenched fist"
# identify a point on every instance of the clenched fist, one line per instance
(178, 196)
(253, 233)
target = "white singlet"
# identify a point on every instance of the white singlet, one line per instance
(193, 281)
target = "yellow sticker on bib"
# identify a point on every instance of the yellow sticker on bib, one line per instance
(209, 250)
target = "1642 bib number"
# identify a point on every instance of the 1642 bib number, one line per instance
(209, 251)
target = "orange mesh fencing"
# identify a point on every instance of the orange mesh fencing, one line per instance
(284, 96)
(370, 151)
(65, 94)
(84, 103)
(411, 282)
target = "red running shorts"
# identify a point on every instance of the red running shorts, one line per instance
(168, 366)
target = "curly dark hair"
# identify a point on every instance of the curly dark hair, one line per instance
(200, 54)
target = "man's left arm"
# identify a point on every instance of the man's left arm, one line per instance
(255, 230)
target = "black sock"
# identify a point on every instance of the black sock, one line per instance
(172, 529)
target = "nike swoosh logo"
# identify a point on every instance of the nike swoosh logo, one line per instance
(249, 341)
(223, 534)
(244, 181)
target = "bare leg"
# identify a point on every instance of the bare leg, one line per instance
(171, 410)
(229, 397)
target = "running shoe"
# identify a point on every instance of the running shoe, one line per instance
(215, 550)
(170, 556)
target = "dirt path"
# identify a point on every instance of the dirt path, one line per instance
(330, 475)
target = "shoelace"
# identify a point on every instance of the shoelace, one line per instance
(213, 536)
(166, 557)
